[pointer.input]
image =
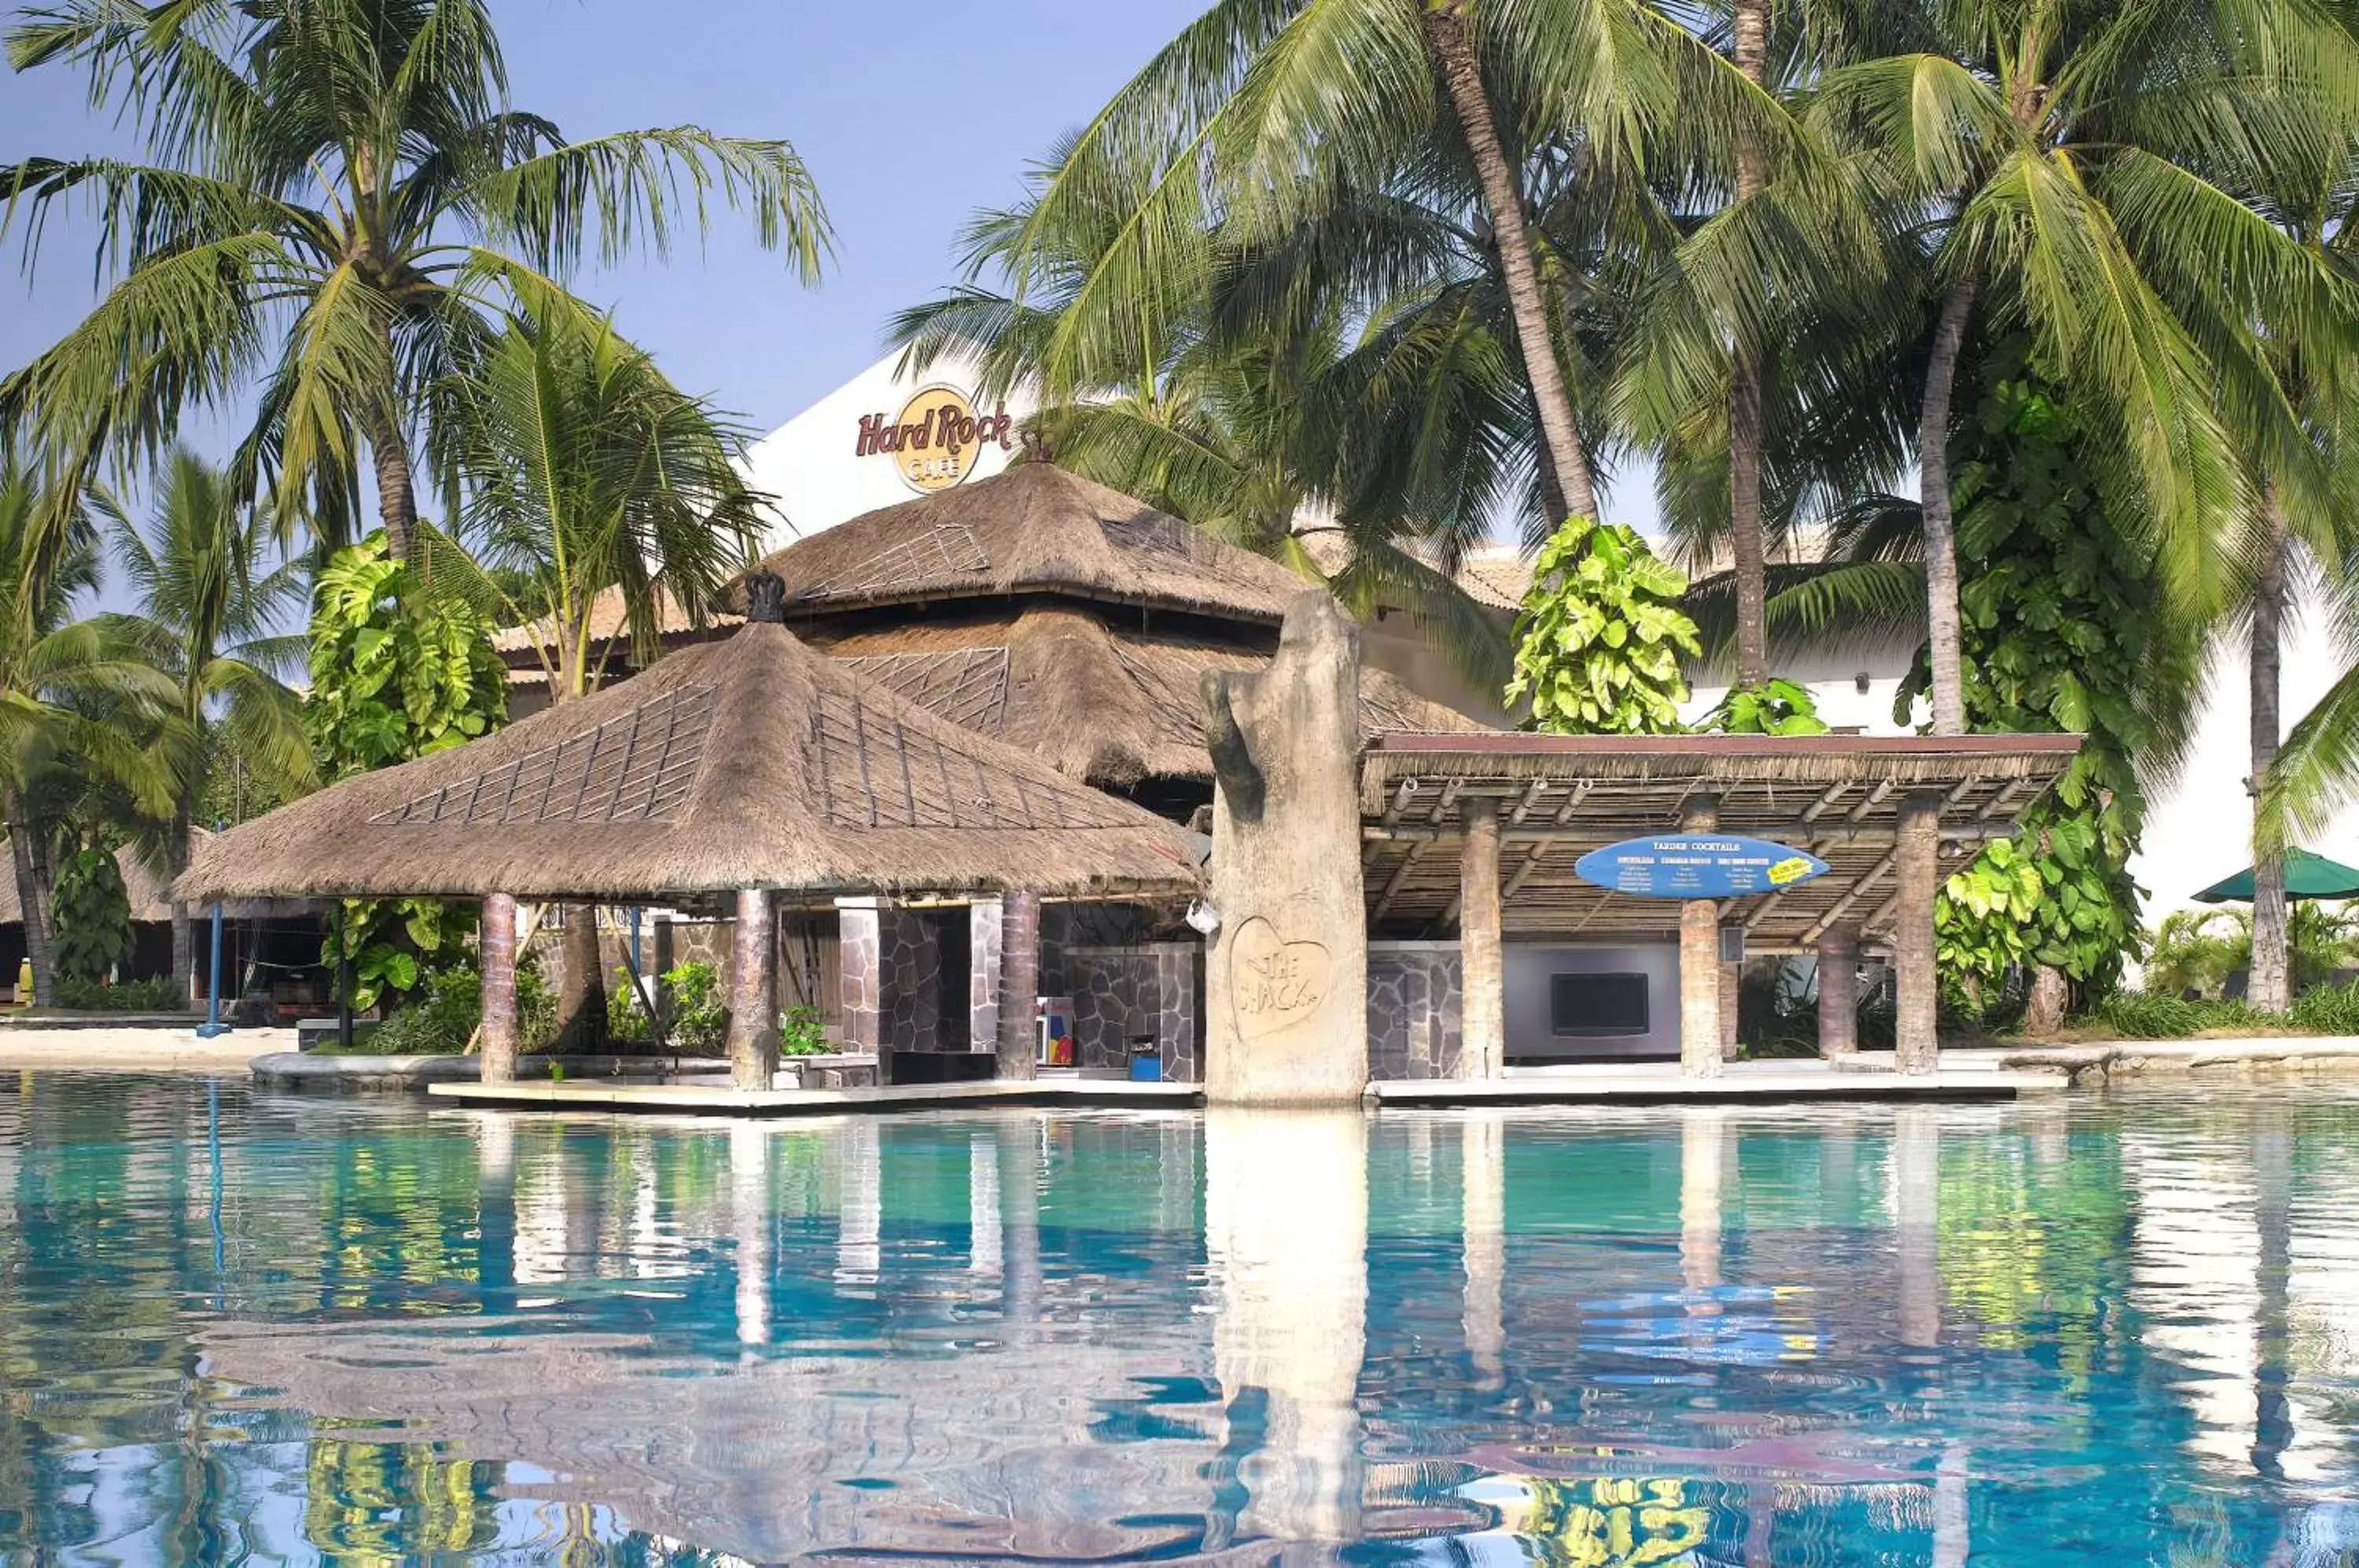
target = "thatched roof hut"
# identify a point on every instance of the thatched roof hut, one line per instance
(1044, 610)
(749, 763)
(1111, 708)
(1033, 530)
(149, 898)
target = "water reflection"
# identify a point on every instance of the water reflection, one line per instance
(359, 1331)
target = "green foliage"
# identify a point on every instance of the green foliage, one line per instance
(92, 915)
(2197, 950)
(1776, 707)
(699, 1015)
(398, 672)
(2059, 634)
(2148, 1015)
(2328, 1010)
(626, 1022)
(156, 993)
(1599, 638)
(800, 1032)
(439, 1020)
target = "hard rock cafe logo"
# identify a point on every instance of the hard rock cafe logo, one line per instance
(936, 439)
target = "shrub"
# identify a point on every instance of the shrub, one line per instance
(2328, 1009)
(157, 994)
(2149, 1015)
(799, 1033)
(700, 1021)
(1600, 634)
(626, 1022)
(1776, 707)
(92, 914)
(439, 1020)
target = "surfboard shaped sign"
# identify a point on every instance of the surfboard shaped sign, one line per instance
(1698, 866)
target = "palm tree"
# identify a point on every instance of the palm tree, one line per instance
(338, 197)
(587, 477)
(2040, 151)
(78, 702)
(1257, 111)
(210, 609)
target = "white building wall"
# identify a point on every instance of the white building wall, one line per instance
(811, 463)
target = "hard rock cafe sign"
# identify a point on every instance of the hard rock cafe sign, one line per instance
(936, 439)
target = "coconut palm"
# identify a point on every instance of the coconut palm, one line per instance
(211, 608)
(78, 704)
(587, 476)
(2038, 160)
(1257, 110)
(338, 194)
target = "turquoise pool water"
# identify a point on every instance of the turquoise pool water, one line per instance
(245, 1328)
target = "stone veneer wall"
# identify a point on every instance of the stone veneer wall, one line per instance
(1414, 1009)
(1152, 988)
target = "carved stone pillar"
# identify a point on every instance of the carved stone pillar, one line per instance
(1020, 983)
(1839, 992)
(1286, 978)
(1484, 1048)
(1916, 861)
(1701, 1047)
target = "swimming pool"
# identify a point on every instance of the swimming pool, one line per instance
(240, 1327)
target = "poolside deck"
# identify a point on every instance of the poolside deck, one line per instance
(1642, 1084)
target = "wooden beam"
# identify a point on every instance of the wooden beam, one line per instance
(1524, 873)
(1449, 799)
(1874, 798)
(1573, 799)
(1852, 896)
(1532, 794)
(1400, 802)
(1819, 807)
(1399, 878)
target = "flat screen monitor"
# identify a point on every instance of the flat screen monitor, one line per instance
(1591, 1006)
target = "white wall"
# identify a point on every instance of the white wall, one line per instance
(808, 463)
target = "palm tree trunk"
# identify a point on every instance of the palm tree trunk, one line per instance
(1446, 40)
(32, 896)
(184, 925)
(396, 502)
(1749, 29)
(2268, 987)
(1941, 621)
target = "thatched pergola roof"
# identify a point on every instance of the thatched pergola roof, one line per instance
(150, 898)
(750, 762)
(1560, 796)
(1109, 706)
(1034, 528)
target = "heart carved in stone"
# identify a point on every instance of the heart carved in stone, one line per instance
(1274, 982)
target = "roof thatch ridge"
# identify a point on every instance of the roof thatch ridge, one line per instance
(753, 761)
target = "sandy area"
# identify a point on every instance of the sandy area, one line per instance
(153, 1049)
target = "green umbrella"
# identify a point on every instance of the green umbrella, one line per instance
(2307, 876)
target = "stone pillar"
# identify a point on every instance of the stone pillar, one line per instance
(497, 946)
(658, 986)
(1700, 1039)
(754, 992)
(1839, 992)
(1019, 984)
(1484, 1046)
(860, 984)
(1286, 981)
(1916, 863)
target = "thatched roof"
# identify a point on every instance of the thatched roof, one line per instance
(748, 762)
(1034, 528)
(150, 903)
(610, 622)
(1108, 706)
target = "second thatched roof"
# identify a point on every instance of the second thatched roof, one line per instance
(750, 762)
(1034, 528)
(1109, 707)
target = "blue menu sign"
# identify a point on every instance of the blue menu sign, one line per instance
(1698, 866)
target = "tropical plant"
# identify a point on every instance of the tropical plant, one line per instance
(210, 614)
(1600, 634)
(2197, 950)
(398, 672)
(803, 1032)
(79, 709)
(336, 195)
(92, 911)
(2041, 161)
(588, 477)
(1774, 707)
(699, 1008)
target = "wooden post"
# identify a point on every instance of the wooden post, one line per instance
(1700, 1039)
(1019, 984)
(754, 992)
(1839, 992)
(1916, 861)
(1481, 962)
(1731, 993)
(496, 943)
